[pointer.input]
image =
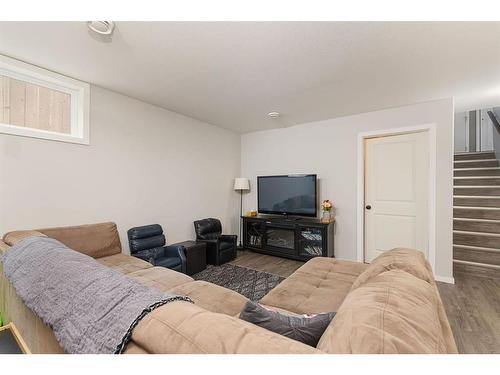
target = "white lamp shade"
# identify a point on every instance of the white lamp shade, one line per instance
(241, 183)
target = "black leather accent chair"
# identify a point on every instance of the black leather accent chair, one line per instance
(221, 248)
(148, 243)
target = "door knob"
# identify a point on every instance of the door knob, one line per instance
(368, 207)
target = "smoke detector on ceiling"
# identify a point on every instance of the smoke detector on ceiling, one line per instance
(274, 114)
(101, 27)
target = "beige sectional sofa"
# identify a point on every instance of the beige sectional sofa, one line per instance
(389, 306)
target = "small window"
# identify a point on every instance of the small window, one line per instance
(38, 103)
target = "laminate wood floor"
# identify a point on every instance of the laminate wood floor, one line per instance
(473, 308)
(472, 303)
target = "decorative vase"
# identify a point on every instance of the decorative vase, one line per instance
(326, 217)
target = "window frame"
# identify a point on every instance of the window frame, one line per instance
(80, 101)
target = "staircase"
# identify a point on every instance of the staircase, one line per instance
(476, 214)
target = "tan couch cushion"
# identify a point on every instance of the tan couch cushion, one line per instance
(409, 260)
(182, 327)
(213, 297)
(12, 238)
(133, 348)
(394, 312)
(124, 263)
(160, 278)
(318, 286)
(95, 240)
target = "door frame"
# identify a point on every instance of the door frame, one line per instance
(430, 129)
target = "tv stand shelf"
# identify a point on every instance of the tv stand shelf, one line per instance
(289, 237)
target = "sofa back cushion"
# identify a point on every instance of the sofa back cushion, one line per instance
(95, 240)
(208, 229)
(409, 260)
(145, 237)
(393, 312)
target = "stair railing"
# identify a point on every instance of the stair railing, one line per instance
(496, 132)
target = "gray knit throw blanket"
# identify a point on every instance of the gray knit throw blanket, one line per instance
(90, 307)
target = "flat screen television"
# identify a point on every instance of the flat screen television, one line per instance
(287, 195)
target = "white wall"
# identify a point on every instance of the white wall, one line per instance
(144, 165)
(329, 149)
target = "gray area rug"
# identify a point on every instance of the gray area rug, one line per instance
(251, 283)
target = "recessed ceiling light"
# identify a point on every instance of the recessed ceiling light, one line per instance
(101, 27)
(274, 114)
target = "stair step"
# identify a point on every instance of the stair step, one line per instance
(477, 190)
(468, 238)
(476, 269)
(476, 254)
(476, 212)
(462, 172)
(475, 180)
(475, 155)
(476, 225)
(476, 163)
(476, 201)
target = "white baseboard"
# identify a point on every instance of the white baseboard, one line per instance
(445, 279)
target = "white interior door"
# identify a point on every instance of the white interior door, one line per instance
(396, 193)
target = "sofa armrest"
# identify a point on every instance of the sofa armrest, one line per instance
(3, 247)
(211, 244)
(229, 238)
(11, 238)
(173, 251)
(214, 241)
(146, 255)
(177, 251)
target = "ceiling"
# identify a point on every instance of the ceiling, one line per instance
(231, 74)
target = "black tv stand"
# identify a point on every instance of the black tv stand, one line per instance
(285, 218)
(297, 238)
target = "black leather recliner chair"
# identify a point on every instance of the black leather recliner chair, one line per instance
(148, 243)
(221, 248)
